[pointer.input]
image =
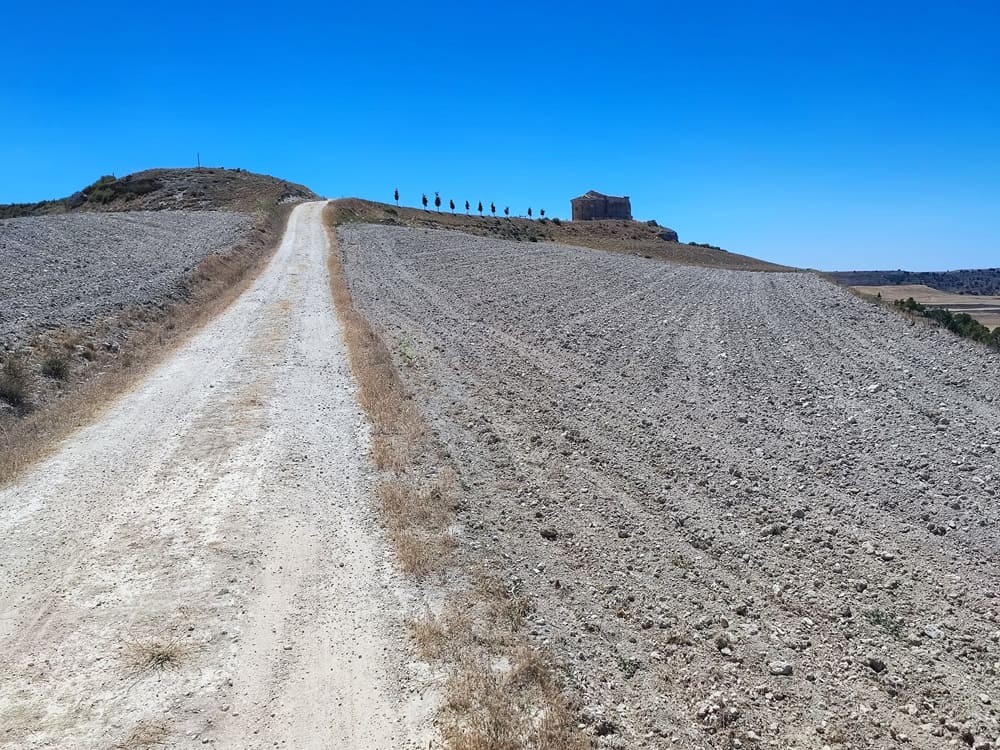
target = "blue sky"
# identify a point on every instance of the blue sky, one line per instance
(839, 135)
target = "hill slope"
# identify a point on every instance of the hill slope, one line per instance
(67, 270)
(199, 189)
(630, 237)
(742, 505)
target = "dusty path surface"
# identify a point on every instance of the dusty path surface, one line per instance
(751, 510)
(202, 567)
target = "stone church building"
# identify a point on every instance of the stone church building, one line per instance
(593, 205)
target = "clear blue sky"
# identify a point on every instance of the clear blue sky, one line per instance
(831, 135)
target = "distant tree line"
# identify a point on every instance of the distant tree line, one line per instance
(961, 323)
(425, 202)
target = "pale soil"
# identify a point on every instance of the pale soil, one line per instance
(982, 307)
(703, 477)
(218, 522)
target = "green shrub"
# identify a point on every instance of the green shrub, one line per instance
(881, 618)
(961, 324)
(14, 382)
(56, 366)
(103, 190)
(909, 304)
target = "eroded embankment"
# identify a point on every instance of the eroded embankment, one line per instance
(744, 507)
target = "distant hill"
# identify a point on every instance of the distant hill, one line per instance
(200, 189)
(972, 281)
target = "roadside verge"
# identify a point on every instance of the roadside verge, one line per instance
(499, 691)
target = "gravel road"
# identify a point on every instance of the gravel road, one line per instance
(58, 271)
(202, 567)
(752, 510)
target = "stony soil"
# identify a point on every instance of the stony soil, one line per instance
(751, 509)
(66, 270)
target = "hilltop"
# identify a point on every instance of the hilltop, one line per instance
(646, 239)
(190, 189)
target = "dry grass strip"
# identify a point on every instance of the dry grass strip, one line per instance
(72, 393)
(500, 693)
(396, 422)
(417, 518)
(415, 513)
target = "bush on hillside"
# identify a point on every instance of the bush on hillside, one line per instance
(101, 191)
(961, 324)
(56, 366)
(14, 382)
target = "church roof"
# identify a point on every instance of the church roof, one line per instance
(594, 195)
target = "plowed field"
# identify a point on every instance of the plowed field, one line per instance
(747, 507)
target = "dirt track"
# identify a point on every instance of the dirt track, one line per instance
(201, 567)
(749, 508)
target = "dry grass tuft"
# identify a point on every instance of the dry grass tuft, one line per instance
(157, 654)
(430, 636)
(496, 697)
(403, 503)
(418, 554)
(14, 381)
(144, 736)
(56, 366)
(492, 705)
(417, 517)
